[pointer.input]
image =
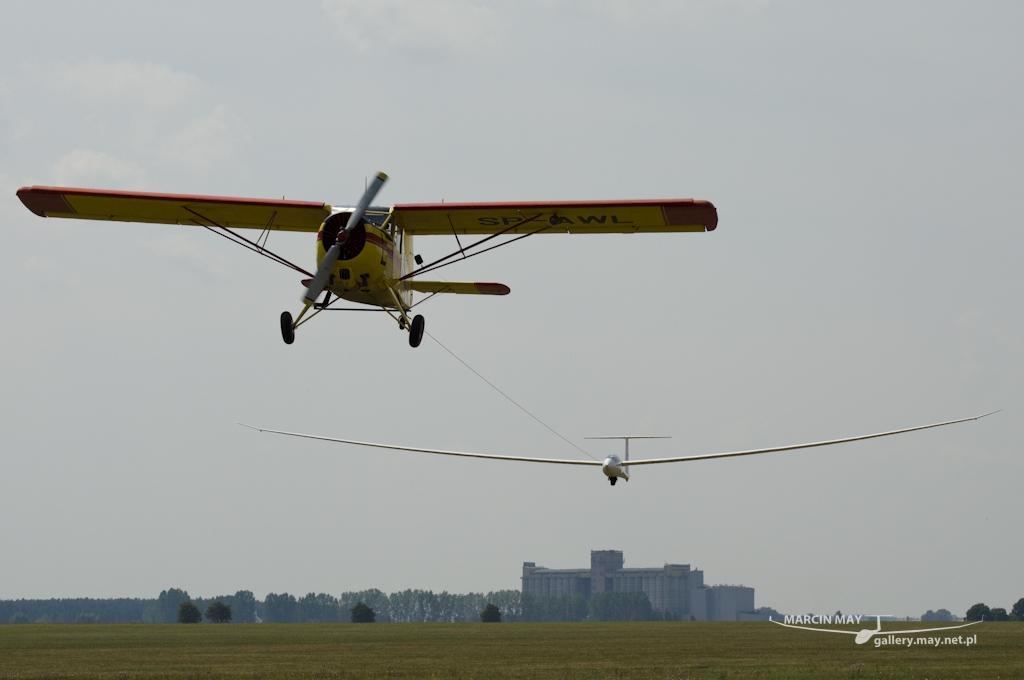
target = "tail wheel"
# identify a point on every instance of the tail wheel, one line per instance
(287, 330)
(416, 331)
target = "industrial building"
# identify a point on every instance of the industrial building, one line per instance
(674, 588)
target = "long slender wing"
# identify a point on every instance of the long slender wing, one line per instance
(819, 630)
(799, 446)
(437, 451)
(879, 632)
(930, 630)
(575, 217)
(459, 287)
(189, 209)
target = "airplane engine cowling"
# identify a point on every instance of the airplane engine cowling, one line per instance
(355, 242)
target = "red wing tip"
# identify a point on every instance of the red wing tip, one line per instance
(42, 193)
(492, 288)
(42, 200)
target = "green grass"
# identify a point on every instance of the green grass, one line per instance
(432, 650)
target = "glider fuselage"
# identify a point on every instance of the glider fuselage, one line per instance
(612, 468)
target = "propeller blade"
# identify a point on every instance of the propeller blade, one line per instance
(364, 202)
(323, 273)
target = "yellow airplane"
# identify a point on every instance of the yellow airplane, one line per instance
(365, 254)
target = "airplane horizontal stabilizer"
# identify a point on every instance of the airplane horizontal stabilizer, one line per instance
(460, 287)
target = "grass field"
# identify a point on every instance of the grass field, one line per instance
(433, 650)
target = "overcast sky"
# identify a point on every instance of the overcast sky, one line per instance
(866, 160)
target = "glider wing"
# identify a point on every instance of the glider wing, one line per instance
(574, 217)
(799, 446)
(437, 451)
(623, 463)
(189, 209)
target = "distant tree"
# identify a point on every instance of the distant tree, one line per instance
(381, 605)
(537, 608)
(153, 614)
(510, 602)
(189, 613)
(415, 606)
(940, 615)
(490, 614)
(87, 618)
(612, 606)
(999, 614)
(316, 608)
(19, 617)
(362, 614)
(218, 612)
(1018, 610)
(244, 604)
(279, 608)
(979, 612)
(768, 611)
(170, 600)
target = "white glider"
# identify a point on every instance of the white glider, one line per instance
(613, 467)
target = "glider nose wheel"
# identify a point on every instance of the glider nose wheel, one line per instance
(287, 328)
(611, 480)
(416, 331)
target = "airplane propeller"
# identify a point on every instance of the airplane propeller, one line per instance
(323, 273)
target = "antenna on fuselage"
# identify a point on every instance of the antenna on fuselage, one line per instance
(627, 438)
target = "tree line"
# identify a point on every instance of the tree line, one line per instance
(407, 606)
(981, 612)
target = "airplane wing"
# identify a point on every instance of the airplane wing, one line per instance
(443, 453)
(188, 209)
(459, 287)
(589, 217)
(829, 442)
(574, 217)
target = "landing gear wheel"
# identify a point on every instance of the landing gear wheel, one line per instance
(416, 331)
(611, 480)
(287, 330)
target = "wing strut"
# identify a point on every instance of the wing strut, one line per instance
(442, 262)
(235, 237)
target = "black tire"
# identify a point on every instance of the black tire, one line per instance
(612, 480)
(416, 331)
(287, 331)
